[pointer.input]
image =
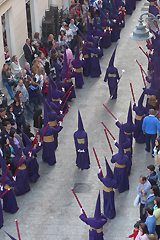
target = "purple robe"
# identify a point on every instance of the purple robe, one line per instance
(81, 144)
(116, 29)
(48, 154)
(78, 72)
(21, 185)
(140, 114)
(95, 70)
(105, 41)
(96, 230)
(120, 171)
(112, 76)
(108, 195)
(9, 199)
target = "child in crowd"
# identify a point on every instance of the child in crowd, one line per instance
(135, 231)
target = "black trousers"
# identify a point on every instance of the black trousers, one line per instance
(142, 212)
(158, 231)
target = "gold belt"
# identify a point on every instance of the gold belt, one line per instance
(138, 117)
(94, 55)
(112, 75)
(22, 167)
(127, 150)
(7, 187)
(120, 165)
(52, 123)
(86, 56)
(107, 189)
(48, 139)
(78, 70)
(81, 141)
(99, 230)
(55, 99)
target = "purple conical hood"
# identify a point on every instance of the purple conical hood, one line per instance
(47, 109)
(80, 123)
(122, 136)
(109, 172)
(111, 62)
(140, 101)
(10, 236)
(26, 141)
(129, 117)
(97, 213)
(65, 66)
(88, 32)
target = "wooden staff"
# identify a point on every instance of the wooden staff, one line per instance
(144, 52)
(78, 201)
(17, 228)
(65, 100)
(98, 162)
(131, 88)
(143, 78)
(109, 112)
(108, 131)
(5, 174)
(110, 146)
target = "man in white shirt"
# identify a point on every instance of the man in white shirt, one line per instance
(69, 34)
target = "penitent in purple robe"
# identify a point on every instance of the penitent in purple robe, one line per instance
(78, 70)
(127, 147)
(81, 145)
(86, 60)
(32, 163)
(153, 9)
(112, 76)
(120, 170)
(95, 70)
(105, 41)
(96, 223)
(9, 199)
(141, 112)
(108, 193)
(21, 185)
(48, 152)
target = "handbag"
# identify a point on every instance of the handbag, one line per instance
(136, 201)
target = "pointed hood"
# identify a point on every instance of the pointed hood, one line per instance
(10, 236)
(97, 213)
(140, 101)
(129, 117)
(111, 62)
(26, 141)
(80, 123)
(77, 54)
(109, 172)
(65, 65)
(122, 136)
(88, 30)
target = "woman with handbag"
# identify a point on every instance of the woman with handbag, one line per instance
(7, 80)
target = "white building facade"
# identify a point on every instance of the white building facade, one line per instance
(20, 19)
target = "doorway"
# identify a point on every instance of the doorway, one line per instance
(28, 14)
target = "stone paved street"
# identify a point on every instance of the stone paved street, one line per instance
(49, 210)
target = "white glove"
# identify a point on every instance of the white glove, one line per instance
(61, 112)
(100, 170)
(1, 188)
(29, 154)
(63, 89)
(60, 123)
(14, 178)
(117, 120)
(79, 150)
(81, 211)
(60, 101)
(115, 141)
(39, 144)
(123, 71)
